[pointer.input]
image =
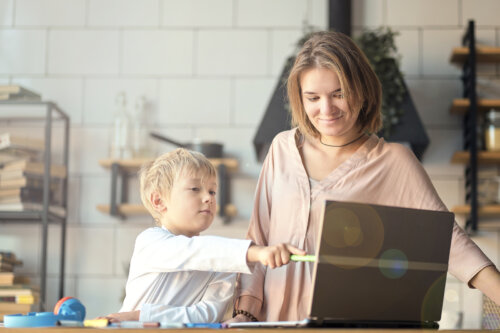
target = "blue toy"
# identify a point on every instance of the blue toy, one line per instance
(67, 308)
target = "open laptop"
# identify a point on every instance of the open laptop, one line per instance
(377, 266)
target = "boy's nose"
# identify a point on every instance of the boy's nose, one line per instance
(207, 197)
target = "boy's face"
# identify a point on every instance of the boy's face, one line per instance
(191, 206)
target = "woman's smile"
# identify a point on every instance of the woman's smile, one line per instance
(330, 120)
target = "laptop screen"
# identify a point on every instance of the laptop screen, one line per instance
(380, 263)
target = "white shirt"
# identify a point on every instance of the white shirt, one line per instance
(178, 278)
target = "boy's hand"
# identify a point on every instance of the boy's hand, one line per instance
(272, 256)
(123, 316)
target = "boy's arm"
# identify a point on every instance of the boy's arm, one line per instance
(210, 309)
(160, 251)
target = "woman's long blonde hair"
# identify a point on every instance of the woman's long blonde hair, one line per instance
(359, 83)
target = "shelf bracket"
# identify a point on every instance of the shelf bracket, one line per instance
(117, 173)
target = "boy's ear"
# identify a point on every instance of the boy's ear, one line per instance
(157, 202)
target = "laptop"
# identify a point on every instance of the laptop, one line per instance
(378, 267)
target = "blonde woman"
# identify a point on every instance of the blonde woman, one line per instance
(332, 152)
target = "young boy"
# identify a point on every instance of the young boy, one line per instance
(175, 274)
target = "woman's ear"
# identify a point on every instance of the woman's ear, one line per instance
(157, 202)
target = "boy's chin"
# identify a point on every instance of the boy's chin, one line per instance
(203, 227)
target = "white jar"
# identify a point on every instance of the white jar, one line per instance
(120, 137)
(492, 133)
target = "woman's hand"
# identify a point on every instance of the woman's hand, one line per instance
(123, 316)
(238, 319)
(272, 256)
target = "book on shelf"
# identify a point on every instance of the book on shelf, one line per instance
(16, 92)
(11, 278)
(21, 299)
(9, 141)
(11, 308)
(6, 267)
(20, 168)
(14, 155)
(9, 257)
(34, 181)
(32, 207)
(29, 194)
(13, 292)
(487, 171)
(20, 286)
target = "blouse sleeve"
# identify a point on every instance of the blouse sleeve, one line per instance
(258, 231)
(466, 258)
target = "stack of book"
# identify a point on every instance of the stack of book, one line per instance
(17, 93)
(21, 176)
(16, 294)
(488, 185)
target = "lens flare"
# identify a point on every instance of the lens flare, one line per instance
(433, 297)
(393, 263)
(358, 235)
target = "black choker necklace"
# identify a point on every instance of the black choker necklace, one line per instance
(345, 144)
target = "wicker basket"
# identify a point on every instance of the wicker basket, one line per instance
(491, 315)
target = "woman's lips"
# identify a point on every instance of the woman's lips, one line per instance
(330, 120)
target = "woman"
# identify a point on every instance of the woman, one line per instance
(332, 153)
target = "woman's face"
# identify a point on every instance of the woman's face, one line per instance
(326, 106)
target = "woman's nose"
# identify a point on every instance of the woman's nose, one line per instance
(326, 106)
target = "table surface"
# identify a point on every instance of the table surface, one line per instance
(198, 330)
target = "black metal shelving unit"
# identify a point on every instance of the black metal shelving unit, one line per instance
(52, 114)
(469, 126)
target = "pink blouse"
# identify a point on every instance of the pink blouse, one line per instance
(287, 210)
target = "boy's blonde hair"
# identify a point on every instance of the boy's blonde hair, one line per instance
(159, 175)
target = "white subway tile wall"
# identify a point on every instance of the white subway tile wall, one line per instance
(6, 10)
(123, 13)
(69, 13)
(157, 52)
(232, 52)
(208, 70)
(83, 52)
(26, 53)
(198, 13)
(422, 13)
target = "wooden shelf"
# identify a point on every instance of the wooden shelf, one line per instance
(140, 210)
(484, 54)
(461, 106)
(135, 164)
(483, 210)
(483, 157)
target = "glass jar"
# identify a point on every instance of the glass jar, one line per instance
(120, 137)
(140, 146)
(492, 133)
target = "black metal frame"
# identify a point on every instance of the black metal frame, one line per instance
(118, 173)
(470, 122)
(45, 216)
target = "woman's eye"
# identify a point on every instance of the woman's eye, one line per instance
(338, 95)
(313, 99)
(213, 193)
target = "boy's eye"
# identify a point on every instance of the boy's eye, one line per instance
(195, 189)
(213, 193)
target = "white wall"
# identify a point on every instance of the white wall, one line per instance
(208, 73)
